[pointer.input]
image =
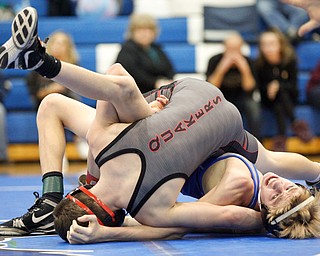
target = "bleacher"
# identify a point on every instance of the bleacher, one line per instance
(98, 42)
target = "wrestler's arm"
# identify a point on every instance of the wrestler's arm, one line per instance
(204, 215)
(131, 230)
(226, 219)
(286, 164)
(134, 231)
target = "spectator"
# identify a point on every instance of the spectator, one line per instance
(4, 88)
(313, 88)
(233, 73)
(285, 17)
(142, 57)
(277, 78)
(61, 46)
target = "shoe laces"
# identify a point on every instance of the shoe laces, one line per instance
(18, 222)
(37, 202)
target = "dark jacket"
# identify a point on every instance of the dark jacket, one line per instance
(146, 67)
(286, 74)
(231, 86)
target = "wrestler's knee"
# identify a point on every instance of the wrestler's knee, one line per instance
(127, 85)
(94, 135)
(127, 92)
(117, 69)
(49, 105)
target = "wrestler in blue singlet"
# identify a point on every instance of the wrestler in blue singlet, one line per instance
(193, 185)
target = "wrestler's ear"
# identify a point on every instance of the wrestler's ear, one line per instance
(118, 70)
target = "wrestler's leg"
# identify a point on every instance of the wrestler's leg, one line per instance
(93, 171)
(287, 164)
(106, 115)
(127, 108)
(120, 90)
(55, 113)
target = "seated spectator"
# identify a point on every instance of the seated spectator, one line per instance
(277, 79)
(142, 57)
(313, 88)
(285, 17)
(233, 73)
(61, 46)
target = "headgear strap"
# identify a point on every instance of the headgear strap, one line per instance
(99, 202)
(93, 197)
(292, 211)
(83, 206)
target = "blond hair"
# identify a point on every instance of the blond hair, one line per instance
(305, 223)
(141, 21)
(72, 54)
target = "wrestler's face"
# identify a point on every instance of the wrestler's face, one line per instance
(276, 191)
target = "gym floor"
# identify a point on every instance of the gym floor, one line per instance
(18, 181)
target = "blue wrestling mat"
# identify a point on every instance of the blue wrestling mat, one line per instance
(16, 197)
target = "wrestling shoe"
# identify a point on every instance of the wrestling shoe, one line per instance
(38, 220)
(23, 50)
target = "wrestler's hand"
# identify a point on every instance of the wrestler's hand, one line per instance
(312, 7)
(85, 235)
(159, 103)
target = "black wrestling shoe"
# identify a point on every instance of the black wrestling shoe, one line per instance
(38, 220)
(24, 49)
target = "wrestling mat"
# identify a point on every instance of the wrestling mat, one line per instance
(16, 197)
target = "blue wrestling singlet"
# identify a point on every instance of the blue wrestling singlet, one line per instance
(193, 185)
